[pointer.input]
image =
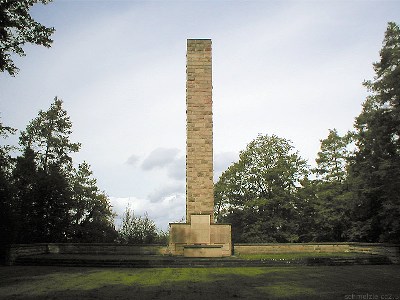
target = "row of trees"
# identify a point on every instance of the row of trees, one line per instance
(271, 195)
(45, 198)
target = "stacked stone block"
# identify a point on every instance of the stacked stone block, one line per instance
(199, 130)
(199, 237)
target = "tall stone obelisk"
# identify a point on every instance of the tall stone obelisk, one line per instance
(199, 129)
(199, 236)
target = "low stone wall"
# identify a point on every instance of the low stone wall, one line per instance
(390, 250)
(116, 249)
(288, 248)
(82, 248)
(24, 250)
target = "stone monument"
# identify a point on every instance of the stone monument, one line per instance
(199, 236)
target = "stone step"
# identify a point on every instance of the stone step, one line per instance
(135, 261)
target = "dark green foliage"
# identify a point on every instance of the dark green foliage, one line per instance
(44, 195)
(331, 187)
(92, 216)
(258, 194)
(17, 28)
(267, 196)
(44, 198)
(25, 180)
(41, 202)
(7, 223)
(137, 230)
(375, 166)
(48, 135)
(332, 158)
(51, 214)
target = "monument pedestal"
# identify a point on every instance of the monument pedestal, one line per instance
(202, 251)
(200, 238)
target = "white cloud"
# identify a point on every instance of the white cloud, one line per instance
(177, 169)
(132, 160)
(170, 209)
(159, 194)
(159, 158)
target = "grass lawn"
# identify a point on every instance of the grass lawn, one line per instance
(298, 282)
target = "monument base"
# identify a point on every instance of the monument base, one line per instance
(200, 238)
(202, 251)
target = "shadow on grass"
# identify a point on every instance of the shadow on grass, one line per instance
(298, 282)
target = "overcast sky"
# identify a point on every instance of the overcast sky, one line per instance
(290, 68)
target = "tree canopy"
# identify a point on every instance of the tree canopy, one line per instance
(17, 27)
(354, 191)
(258, 194)
(48, 199)
(376, 163)
(269, 195)
(137, 230)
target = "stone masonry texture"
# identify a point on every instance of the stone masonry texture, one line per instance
(199, 129)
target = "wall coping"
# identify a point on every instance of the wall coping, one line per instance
(212, 224)
(321, 243)
(236, 244)
(202, 246)
(89, 244)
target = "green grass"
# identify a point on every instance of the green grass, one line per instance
(298, 282)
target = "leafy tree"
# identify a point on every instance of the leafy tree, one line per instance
(48, 135)
(92, 216)
(53, 194)
(17, 28)
(43, 197)
(332, 158)
(54, 201)
(376, 163)
(258, 194)
(333, 195)
(137, 230)
(25, 206)
(42, 177)
(6, 192)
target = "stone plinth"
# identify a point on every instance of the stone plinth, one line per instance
(202, 251)
(201, 235)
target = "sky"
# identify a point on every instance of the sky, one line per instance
(290, 68)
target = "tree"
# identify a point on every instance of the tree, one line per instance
(43, 197)
(53, 194)
(48, 135)
(7, 223)
(92, 216)
(17, 28)
(258, 194)
(332, 158)
(64, 203)
(375, 166)
(25, 204)
(137, 230)
(42, 176)
(332, 191)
